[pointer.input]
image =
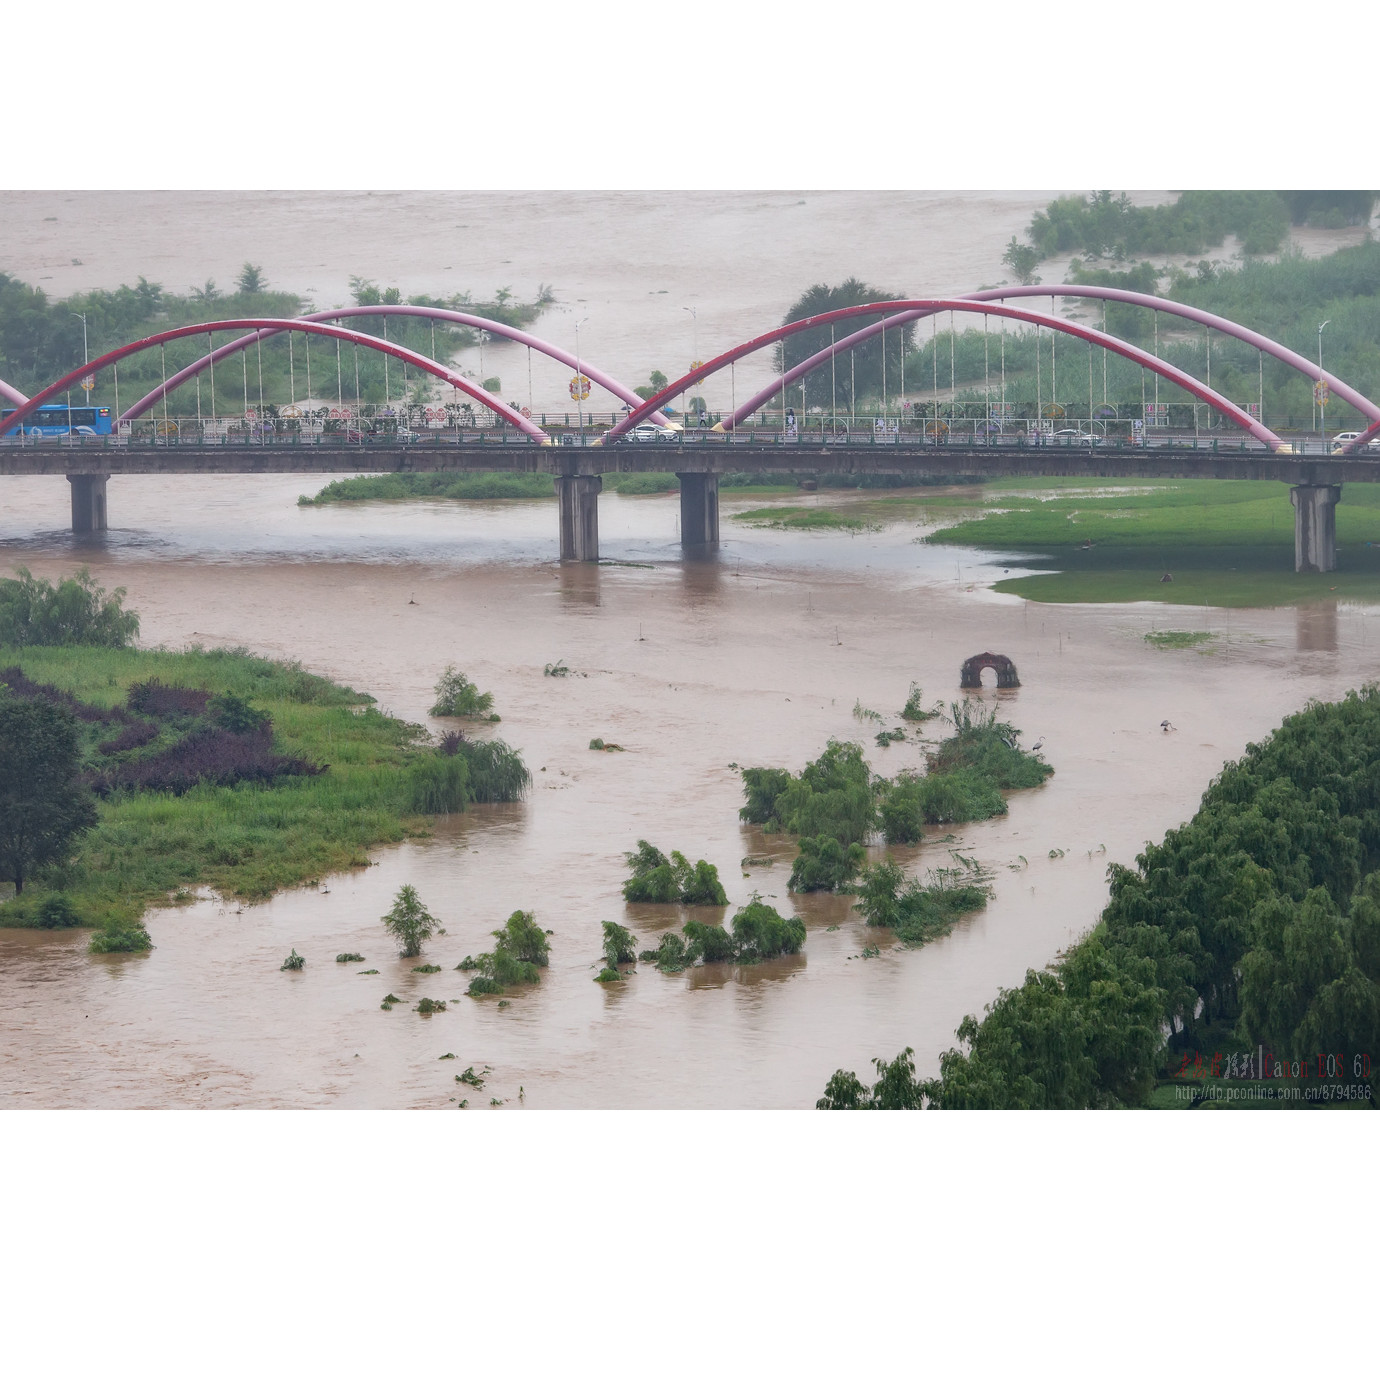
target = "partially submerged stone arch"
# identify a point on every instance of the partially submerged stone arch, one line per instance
(971, 676)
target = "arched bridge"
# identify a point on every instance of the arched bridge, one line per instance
(248, 430)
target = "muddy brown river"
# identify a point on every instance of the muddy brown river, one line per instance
(756, 658)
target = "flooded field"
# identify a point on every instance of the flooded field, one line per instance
(756, 657)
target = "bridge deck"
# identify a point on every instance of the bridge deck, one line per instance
(1203, 459)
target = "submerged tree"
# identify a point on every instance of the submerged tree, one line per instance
(409, 922)
(662, 880)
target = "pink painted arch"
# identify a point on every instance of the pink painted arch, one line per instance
(275, 324)
(12, 394)
(1221, 324)
(927, 306)
(482, 323)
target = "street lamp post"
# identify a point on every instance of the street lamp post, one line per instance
(579, 382)
(1322, 401)
(695, 358)
(86, 360)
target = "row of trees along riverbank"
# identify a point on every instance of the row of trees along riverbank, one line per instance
(1255, 925)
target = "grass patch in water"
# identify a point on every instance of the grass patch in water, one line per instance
(1225, 543)
(805, 519)
(373, 487)
(1171, 638)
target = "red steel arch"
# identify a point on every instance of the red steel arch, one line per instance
(1221, 324)
(927, 306)
(482, 323)
(275, 324)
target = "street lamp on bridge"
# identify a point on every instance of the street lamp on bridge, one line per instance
(1322, 390)
(87, 382)
(579, 382)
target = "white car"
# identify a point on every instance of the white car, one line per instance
(1344, 438)
(1071, 436)
(650, 431)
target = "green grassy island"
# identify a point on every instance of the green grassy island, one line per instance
(216, 768)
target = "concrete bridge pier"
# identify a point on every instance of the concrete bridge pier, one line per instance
(1315, 526)
(699, 509)
(577, 497)
(88, 502)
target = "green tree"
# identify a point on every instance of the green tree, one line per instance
(620, 945)
(1022, 260)
(409, 922)
(856, 372)
(77, 612)
(251, 279)
(43, 806)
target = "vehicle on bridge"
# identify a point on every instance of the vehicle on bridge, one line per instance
(650, 431)
(1345, 438)
(57, 419)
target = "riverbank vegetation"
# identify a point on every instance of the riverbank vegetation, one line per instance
(757, 932)
(668, 881)
(1283, 299)
(41, 338)
(457, 697)
(185, 800)
(1253, 927)
(522, 950)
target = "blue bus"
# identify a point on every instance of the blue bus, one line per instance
(57, 419)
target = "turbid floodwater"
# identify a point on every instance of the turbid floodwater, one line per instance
(756, 657)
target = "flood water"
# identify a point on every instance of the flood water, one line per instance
(755, 657)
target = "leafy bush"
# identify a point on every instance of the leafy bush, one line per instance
(458, 697)
(987, 747)
(427, 968)
(609, 975)
(938, 798)
(206, 755)
(620, 945)
(832, 795)
(824, 864)
(128, 937)
(135, 735)
(56, 912)
(658, 879)
(520, 954)
(426, 1006)
(76, 612)
(712, 943)
(896, 1088)
(671, 955)
(522, 937)
(293, 963)
(759, 931)
(159, 701)
(234, 714)
(916, 910)
(349, 958)
(409, 922)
